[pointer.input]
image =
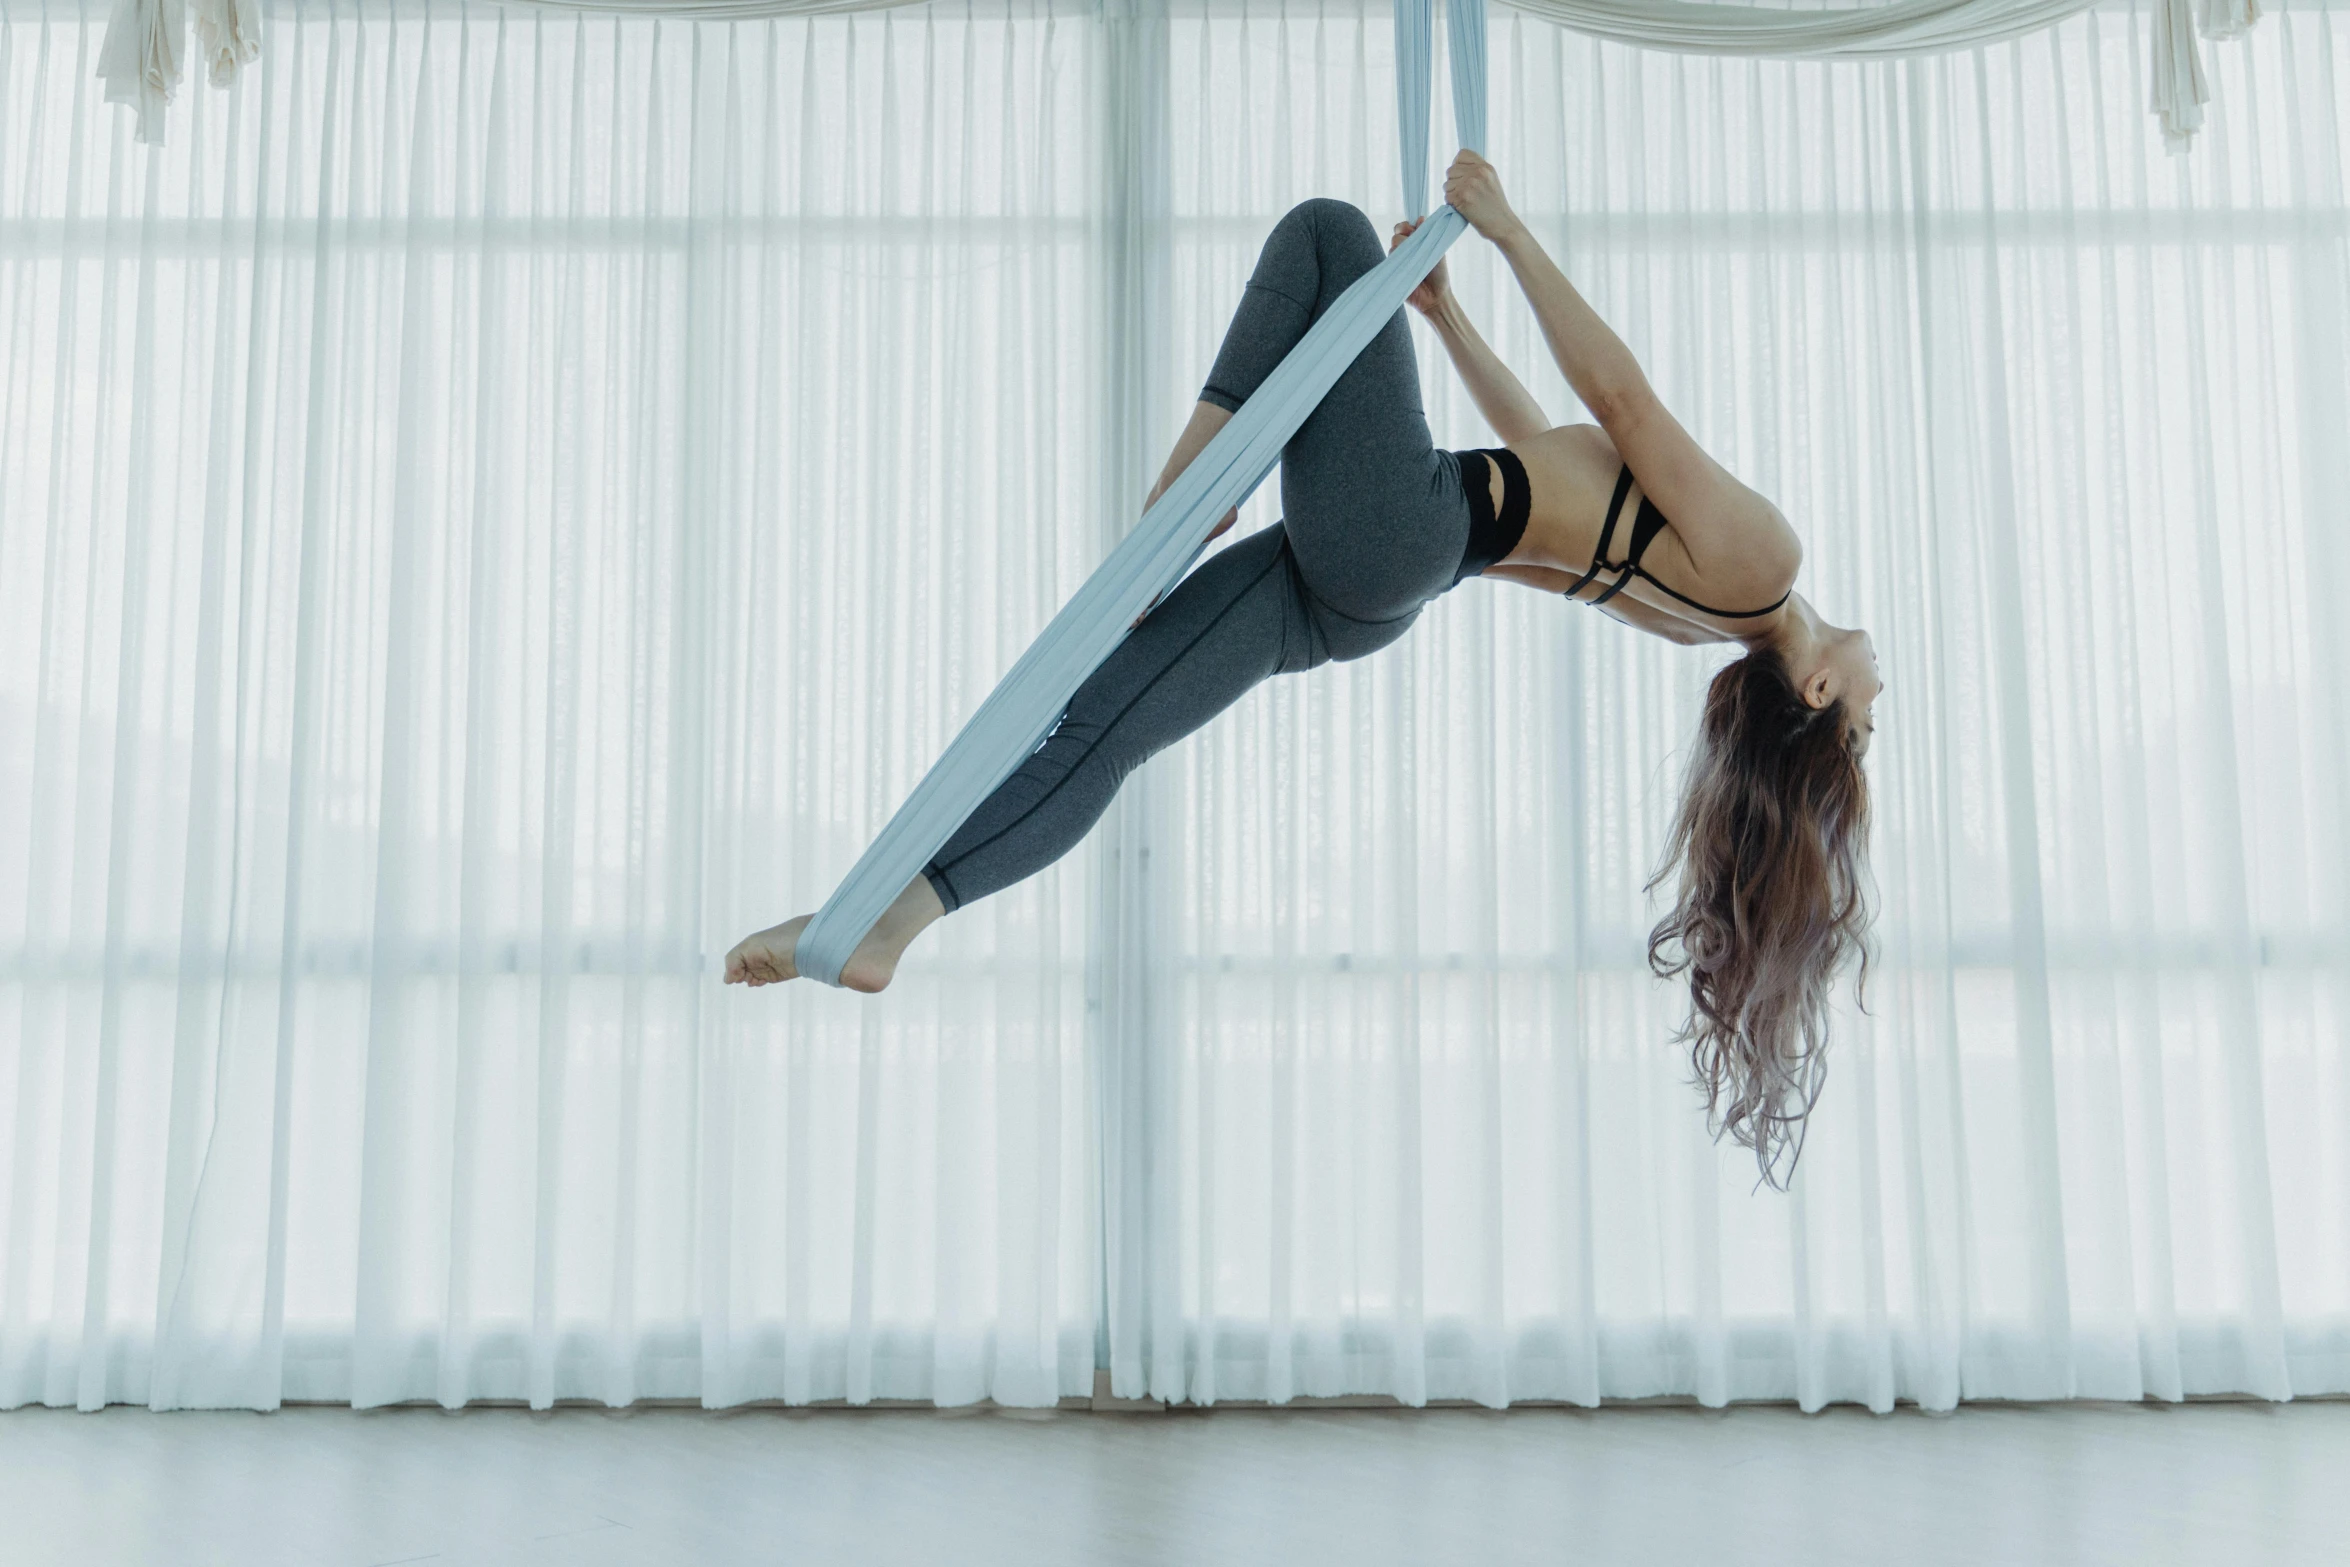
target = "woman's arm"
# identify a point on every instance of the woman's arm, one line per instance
(1736, 541)
(1499, 394)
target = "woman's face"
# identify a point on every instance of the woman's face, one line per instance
(1852, 655)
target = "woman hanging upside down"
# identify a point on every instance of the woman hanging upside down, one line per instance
(1376, 522)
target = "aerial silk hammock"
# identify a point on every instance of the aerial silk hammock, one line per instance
(1021, 711)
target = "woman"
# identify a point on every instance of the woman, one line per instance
(1377, 521)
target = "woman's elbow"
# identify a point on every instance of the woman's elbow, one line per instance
(1622, 404)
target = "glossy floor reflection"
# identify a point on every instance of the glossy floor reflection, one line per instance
(1993, 1484)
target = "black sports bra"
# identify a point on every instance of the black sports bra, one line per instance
(1645, 527)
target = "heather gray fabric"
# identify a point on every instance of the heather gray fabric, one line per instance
(1375, 525)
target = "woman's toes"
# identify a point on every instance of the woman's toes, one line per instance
(765, 958)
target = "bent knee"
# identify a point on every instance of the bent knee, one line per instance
(1315, 208)
(1331, 217)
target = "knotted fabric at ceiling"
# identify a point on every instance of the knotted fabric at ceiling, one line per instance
(144, 38)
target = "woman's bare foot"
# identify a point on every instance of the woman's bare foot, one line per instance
(767, 957)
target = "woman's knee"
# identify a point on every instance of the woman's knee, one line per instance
(1315, 208)
(1317, 249)
(1332, 218)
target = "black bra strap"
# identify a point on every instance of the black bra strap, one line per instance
(1599, 555)
(1613, 588)
(1645, 527)
(1726, 614)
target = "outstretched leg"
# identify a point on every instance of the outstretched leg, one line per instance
(1234, 621)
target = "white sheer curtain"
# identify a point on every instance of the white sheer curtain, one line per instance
(2060, 419)
(434, 486)
(437, 485)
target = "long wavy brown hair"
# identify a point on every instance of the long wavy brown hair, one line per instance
(1771, 845)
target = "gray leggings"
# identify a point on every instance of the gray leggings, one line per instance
(1375, 525)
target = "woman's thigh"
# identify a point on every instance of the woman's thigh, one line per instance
(1375, 513)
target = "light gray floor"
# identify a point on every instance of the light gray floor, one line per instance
(1989, 1486)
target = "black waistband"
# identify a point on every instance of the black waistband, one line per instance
(1492, 538)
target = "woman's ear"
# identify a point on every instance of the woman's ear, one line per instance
(1817, 687)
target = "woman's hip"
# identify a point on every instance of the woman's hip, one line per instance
(1376, 541)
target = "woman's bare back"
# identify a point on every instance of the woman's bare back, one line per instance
(1572, 471)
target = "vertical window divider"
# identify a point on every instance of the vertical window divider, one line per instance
(1126, 903)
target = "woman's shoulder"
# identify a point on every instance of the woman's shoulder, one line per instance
(1737, 551)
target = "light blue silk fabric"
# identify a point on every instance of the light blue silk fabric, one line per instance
(1024, 706)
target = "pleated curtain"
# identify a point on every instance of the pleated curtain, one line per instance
(432, 479)
(503, 504)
